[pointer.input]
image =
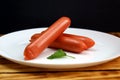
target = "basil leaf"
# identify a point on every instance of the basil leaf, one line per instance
(58, 54)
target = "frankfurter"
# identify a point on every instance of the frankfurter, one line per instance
(88, 41)
(69, 44)
(33, 49)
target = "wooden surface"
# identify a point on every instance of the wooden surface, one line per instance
(107, 71)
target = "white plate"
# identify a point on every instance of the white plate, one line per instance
(106, 48)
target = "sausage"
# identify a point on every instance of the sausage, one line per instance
(69, 44)
(88, 41)
(33, 49)
(66, 43)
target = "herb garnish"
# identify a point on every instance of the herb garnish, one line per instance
(59, 54)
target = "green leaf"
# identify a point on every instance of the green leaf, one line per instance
(58, 54)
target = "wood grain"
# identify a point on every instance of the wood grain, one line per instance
(93, 75)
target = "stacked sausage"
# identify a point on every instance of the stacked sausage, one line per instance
(54, 37)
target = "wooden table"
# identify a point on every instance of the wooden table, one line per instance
(107, 71)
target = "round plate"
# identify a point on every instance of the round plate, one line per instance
(106, 48)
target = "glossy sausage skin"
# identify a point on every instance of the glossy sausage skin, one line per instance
(88, 41)
(69, 44)
(33, 49)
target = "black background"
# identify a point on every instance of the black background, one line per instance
(101, 15)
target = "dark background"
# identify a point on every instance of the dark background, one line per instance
(101, 15)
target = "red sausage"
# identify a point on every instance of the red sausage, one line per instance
(88, 41)
(69, 44)
(33, 49)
